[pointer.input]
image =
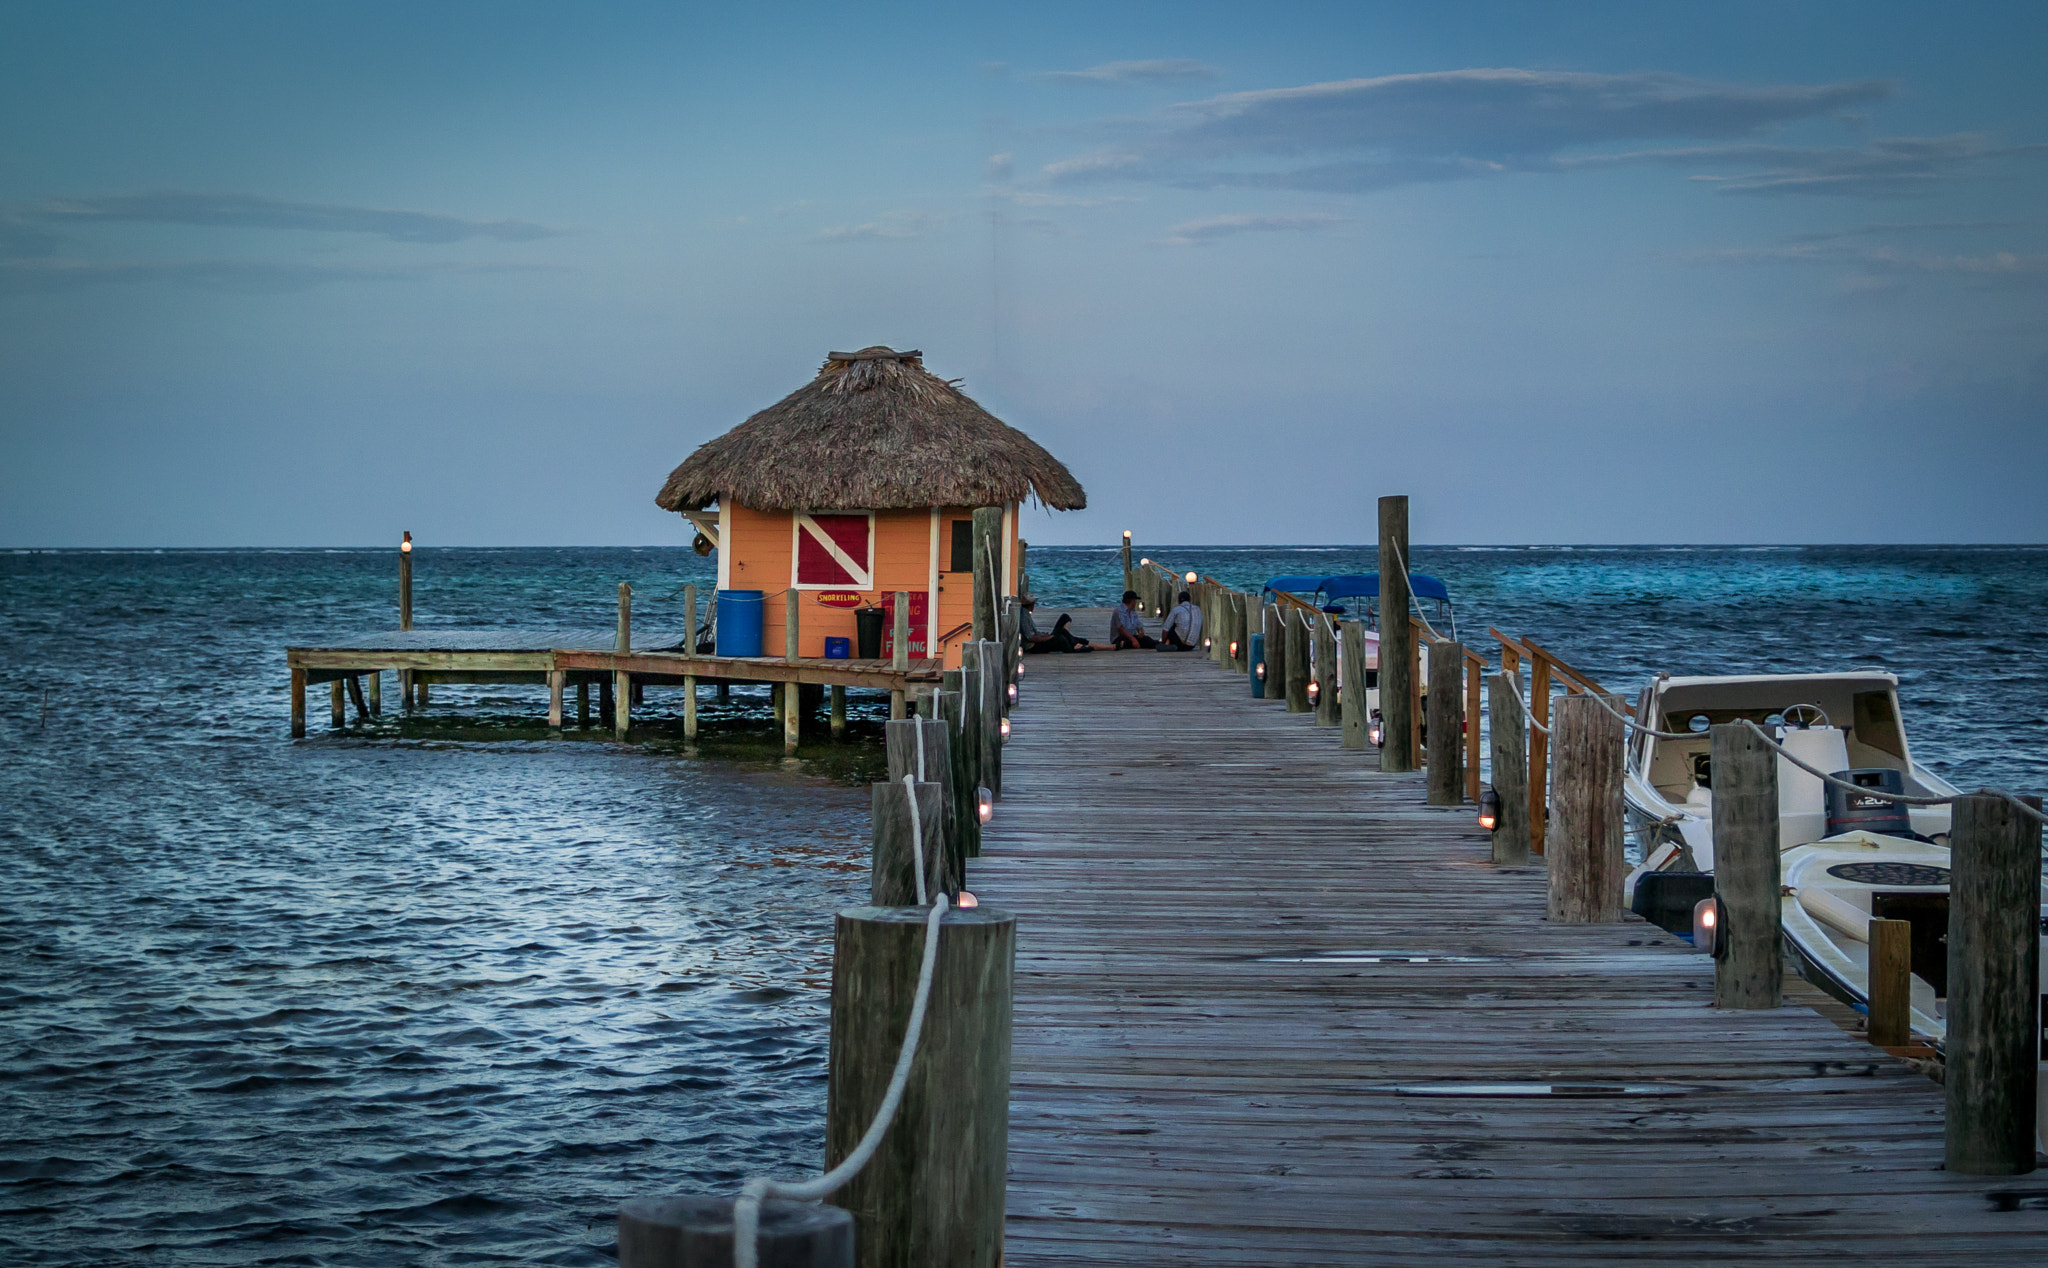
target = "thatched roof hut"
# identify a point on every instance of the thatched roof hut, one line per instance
(876, 430)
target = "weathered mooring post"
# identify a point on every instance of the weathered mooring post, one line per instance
(1891, 983)
(1127, 561)
(405, 614)
(919, 747)
(1355, 717)
(622, 682)
(1749, 969)
(1397, 640)
(1326, 670)
(1275, 646)
(1586, 865)
(988, 528)
(892, 875)
(1994, 985)
(933, 1193)
(1295, 623)
(1509, 735)
(1447, 722)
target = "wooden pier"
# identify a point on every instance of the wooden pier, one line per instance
(1271, 1008)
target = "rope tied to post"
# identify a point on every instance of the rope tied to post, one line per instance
(1515, 691)
(1408, 586)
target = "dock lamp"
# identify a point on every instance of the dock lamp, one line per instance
(1315, 690)
(405, 547)
(1376, 730)
(984, 804)
(1489, 808)
(1233, 649)
(1191, 578)
(1011, 692)
(1709, 916)
(1006, 730)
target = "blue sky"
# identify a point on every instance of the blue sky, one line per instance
(313, 274)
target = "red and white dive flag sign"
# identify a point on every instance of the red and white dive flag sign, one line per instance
(835, 551)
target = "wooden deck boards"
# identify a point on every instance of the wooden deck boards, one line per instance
(1206, 1063)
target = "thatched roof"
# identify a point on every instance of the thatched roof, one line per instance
(874, 431)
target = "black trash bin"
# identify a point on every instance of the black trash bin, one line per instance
(867, 627)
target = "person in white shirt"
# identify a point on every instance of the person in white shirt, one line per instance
(1183, 626)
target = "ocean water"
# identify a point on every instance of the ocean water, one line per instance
(441, 990)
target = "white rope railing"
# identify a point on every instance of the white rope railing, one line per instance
(1515, 691)
(1407, 586)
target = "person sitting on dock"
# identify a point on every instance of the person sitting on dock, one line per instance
(1126, 627)
(1183, 626)
(1060, 640)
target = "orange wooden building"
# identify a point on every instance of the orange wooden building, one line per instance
(860, 484)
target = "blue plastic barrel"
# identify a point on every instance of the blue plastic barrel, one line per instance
(739, 623)
(1259, 667)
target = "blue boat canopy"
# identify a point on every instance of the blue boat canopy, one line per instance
(1355, 584)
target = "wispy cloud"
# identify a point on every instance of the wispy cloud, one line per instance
(1157, 70)
(1358, 135)
(253, 211)
(1889, 167)
(895, 227)
(241, 276)
(1863, 265)
(1194, 233)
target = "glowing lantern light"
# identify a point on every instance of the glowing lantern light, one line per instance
(1006, 730)
(1489, 808)
(1233, 649)
(966, 899)
(1012, 690)
(1315, 689)
(1191, 578)
(985, 804)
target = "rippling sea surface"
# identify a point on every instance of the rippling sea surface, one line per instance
(442, 990)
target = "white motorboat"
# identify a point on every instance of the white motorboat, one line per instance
(1847, 724)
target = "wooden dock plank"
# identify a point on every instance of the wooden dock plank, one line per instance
(1208, 1065)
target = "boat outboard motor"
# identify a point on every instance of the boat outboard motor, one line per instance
(1861, 812)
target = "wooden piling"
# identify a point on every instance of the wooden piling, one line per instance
(988, 531)
(1326, 671)
(1275, 648)
(1586, 866)
(1356, 718)
(1247, 613)
(838, 711)
(1749, 972)
(1397, 641)
(899, 655)
(899, 707)
(1509, 733)
(622, 703)
(1215, 626)
(583, 705)
(405, 582)
(892, 876)
(420, 688)
(1295, 624)
(355, 695)
(1891, 983)
(792, 718)
(1993, 1047)
(690, 620)
(298, 704)
(690, 707)
(1539, 756)
(921, 747)
(1128, 578)
(1475, 669)
(961, 707)
(789, 624)
(933, 1194)
(992, 695)
(696, 1232)
(624, 640)
(337, 708)
(375, 682)
(1446, 723)
(556, 678)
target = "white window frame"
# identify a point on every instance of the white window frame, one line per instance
(864, 577)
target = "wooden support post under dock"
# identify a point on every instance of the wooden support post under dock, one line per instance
(1993, 1046)
(839, 711)
(376, 686)
(1891, 983)
(1397, 641)
(937, 1196)
(1749, 969)
(1586, 863)
(622, 703)
(298, 704)
(583, 704)
(1325, 646)
(337, 708)
(1509, 732)
(1447, 723)
(556, 679)
(1355, 718)
(690, 707)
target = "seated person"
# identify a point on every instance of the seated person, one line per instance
(1060, 640)
(1183, 626)
(1126, 627)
